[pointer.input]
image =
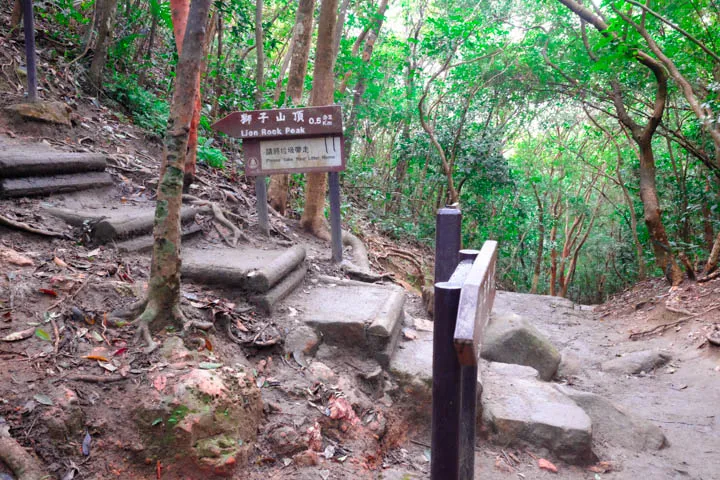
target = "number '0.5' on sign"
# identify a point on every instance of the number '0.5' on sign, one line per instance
(288, 140)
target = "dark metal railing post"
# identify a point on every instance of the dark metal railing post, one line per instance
(447, 243)
(29, 27)
(445, 444)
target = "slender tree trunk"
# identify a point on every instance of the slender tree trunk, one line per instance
(300, 52)
(313, 218)
(180, 10)
(260, 51)
(163, 299)
(16, 15)
(106, 20)
(217, 89)
(541, 244)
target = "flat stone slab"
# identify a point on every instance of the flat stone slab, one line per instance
(249, 269)
(526, 411)
(614, 425)
(365, 316)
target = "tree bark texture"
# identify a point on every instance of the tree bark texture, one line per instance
(163, 300)
(302, 36)
(106, 21)
(180, 10)
(313, 219)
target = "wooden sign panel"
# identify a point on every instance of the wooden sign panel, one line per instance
(476, 302)
(283, 122)
(283, 155)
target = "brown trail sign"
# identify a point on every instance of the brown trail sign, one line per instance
(292, 140)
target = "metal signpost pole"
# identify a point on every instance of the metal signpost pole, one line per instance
(29, 27)
(335, 226)
(262, 206)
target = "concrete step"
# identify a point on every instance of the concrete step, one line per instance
(249, 269)
(145, 243)
(49, 185)
(20, 162)
(353, 315)
(126, 221)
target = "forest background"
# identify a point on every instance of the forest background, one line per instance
(585, 138)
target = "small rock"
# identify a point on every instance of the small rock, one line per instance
(322, 372)
(308, 458)
(303, 339)
(636, 362)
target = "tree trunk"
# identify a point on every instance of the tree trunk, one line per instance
(16, 15)
(653, 219)
(313, 219)
(302, 36)
(541, 244)
(712, 262)
(260, 51)
(163, 300)
(180, 9)
(106, 20)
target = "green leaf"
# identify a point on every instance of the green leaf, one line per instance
(44, 399)
(209, 365)
(157, 421)
(42, 334)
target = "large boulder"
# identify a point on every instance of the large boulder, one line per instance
(615, 426)
(206, 419)
(509, 338)
(522, 410)
(636, 362)
(51, 112)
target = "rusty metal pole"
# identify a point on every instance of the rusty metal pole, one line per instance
(445, 443)
(30, 63)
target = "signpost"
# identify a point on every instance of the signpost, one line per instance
(292, 140)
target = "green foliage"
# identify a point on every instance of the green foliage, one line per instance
(211, 156)
(147, 111)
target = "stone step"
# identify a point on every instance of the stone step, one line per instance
(49, 185)
(269, 300)
(29, 162)
(352, 315)
(145, 243)
(124, 222)
(248, 269)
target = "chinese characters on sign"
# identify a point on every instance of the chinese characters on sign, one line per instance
(290, 140)
(321, 154)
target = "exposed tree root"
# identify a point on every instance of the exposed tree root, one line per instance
(667, 326)
(23, 464)
(27, 228)
(221, 218)
(707, 278)
(96, 378)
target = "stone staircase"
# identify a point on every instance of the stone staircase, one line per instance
(36, 169)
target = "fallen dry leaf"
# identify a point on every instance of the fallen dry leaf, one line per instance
(159, 383)
(547, 465)
(11, 256)
(601, 467)
(60, 263)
